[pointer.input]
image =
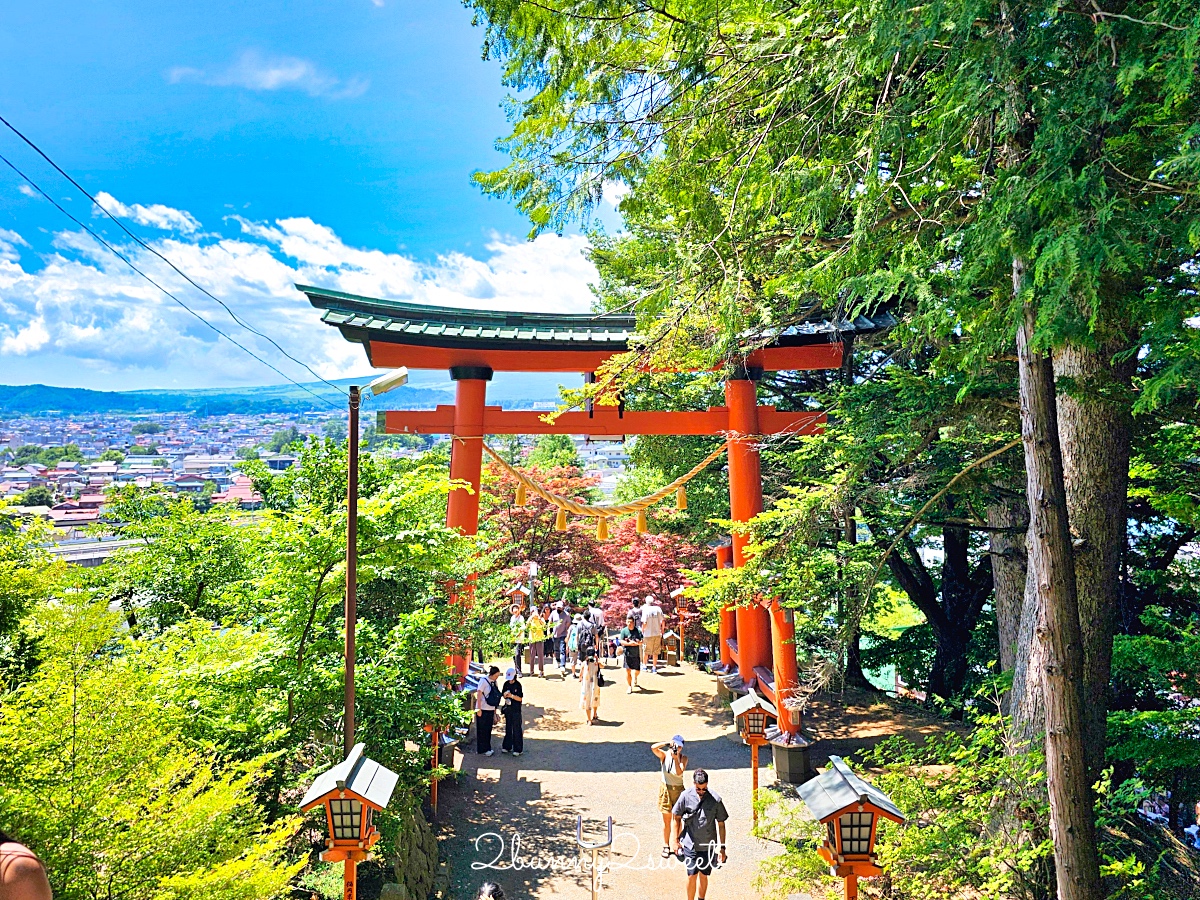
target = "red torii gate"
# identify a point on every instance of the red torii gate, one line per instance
(757, 641)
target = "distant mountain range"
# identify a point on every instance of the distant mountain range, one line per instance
(513, 390)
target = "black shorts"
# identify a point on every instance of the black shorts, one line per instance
(633, 661)
(700, 860)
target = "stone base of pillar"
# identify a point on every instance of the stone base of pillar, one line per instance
(792, 764)
(731, 687)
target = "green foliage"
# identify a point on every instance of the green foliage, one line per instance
(27, 571)
(112, 456)
(283, 439)
(554, 451)
(186, 561)
(38, 495)
(99, 779)
(214, 692)
(146, 428)
(46, 456)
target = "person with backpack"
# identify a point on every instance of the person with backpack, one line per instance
(573, 637)
(487, 700)
(698, 833)
(595, 615)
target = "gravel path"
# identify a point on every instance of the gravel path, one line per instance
(503, 809)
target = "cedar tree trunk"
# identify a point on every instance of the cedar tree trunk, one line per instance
(1095, 425)
(1051, 561)
(1009, 564)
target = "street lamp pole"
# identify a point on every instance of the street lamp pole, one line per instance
(351, 564)
(380, 385)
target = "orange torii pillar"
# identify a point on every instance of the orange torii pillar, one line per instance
(745, 502)
(466, 462)
(728, 628)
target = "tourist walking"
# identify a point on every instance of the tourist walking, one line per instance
(560, 626)
(516, 628)
(589, 690)
(548, 643)
(673, 762)
(512, 698)
(652, 628)
(595, 617)
(631, 641)
(487, 699)
(698, 832)
(536, 629)
(573, 637)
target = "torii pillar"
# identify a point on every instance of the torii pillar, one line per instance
(764, 639)
(466, 463)
(745, 502)
(727, 631)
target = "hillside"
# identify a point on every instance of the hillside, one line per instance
(514, 390)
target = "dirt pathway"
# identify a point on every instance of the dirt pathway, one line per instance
(503, 809)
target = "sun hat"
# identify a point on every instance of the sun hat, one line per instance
(678, 741)
(578, 617)
(510, 673)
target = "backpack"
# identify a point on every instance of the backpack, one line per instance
(494, 697)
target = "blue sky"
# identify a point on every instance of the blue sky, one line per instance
(253, 144)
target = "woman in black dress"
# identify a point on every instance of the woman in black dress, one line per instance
(514, 695)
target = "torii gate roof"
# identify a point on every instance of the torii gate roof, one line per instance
(419, 336)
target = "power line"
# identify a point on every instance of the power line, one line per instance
(147, 247)
(129, 263)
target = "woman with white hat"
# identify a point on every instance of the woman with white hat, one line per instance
(673, 762)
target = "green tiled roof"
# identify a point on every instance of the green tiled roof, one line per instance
(418, 323)
(363, 319)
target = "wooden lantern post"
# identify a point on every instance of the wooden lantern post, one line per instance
(850, 809)
(751, 713)
(351, 793)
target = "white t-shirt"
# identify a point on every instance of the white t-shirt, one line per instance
(652, 620)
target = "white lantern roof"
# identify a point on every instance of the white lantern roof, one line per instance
(368, 780)
(838, 790)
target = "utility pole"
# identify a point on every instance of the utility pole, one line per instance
(351, 563)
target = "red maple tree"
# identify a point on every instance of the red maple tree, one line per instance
(645, 564)
(571, 563)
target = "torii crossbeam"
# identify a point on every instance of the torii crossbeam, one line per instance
(757, 641)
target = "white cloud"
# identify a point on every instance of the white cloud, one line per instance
(613, 192)
(256, 72)
(26, 340)
(28, 191)
(155, 215)
(83, 317)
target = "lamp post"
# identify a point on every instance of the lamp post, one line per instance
(350, 794)
(751, 713)
(380, 385)
(850, 809)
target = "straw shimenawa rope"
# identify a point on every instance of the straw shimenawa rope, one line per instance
(603, 510)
